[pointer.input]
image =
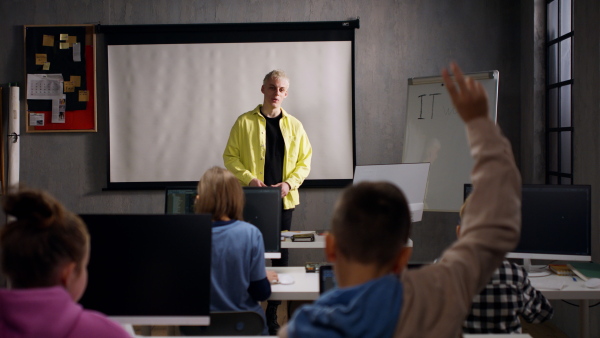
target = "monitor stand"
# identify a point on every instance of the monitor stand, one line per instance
(535, 270)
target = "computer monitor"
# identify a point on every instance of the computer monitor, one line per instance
(150, 269)
(180, 200)
(326, 278)
(262, 208)
(556, 223)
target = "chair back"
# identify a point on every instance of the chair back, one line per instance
(228, 323)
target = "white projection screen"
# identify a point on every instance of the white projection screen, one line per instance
(174, 91)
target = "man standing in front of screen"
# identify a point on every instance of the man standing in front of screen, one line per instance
(269, 147)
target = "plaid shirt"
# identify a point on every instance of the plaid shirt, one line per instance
(507, 296)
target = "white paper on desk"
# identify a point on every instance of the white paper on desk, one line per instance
(547, 284)
(411, 178)
(44, 86)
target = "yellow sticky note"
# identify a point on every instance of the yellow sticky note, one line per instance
(46, 66)
(72, 39)
(64, 37)
(69, 87)
(40, 59)
(64, 45)
(84, 96)
(76, 79)
(48, 40)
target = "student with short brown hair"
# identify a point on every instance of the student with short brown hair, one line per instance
(384, 208)
(45, 253)
(376, 296)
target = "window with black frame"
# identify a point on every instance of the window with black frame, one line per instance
(559, 86)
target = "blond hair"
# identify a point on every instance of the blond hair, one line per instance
(276, 74)
(220, 194)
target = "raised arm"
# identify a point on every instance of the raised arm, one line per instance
(489, 227)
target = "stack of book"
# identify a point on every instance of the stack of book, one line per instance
(561, 269)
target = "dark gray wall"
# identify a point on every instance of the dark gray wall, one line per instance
(397, 40)
(533, 84)
(586, 136)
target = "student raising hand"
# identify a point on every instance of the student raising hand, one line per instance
(468, 95)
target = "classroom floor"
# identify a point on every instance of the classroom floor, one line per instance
(544, 330)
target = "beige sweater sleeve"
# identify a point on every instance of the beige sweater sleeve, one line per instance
(437, 298)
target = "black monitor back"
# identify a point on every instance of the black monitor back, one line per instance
(556, 220)
(263, 209)
(149, 265)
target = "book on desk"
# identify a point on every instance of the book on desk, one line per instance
(585, 270)
(561, 269)
(303, 238)
(298, 236)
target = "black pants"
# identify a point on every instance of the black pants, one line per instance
(286, 224)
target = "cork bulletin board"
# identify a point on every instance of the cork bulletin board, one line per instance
(61, 79)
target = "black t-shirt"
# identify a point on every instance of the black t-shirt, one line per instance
(275, 150)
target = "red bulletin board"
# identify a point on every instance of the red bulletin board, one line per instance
(78, 116)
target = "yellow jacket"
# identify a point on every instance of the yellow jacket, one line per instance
(244, 154)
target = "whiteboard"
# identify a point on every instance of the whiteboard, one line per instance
(436, 134)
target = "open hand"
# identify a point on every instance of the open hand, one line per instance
(272, 276)
(468, 96)
(285, 188)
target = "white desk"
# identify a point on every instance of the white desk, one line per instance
(573, 290)
(305, 287)
(319, 243)
(491, 335)
(272, 255)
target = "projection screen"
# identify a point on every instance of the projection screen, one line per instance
(174, 91)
